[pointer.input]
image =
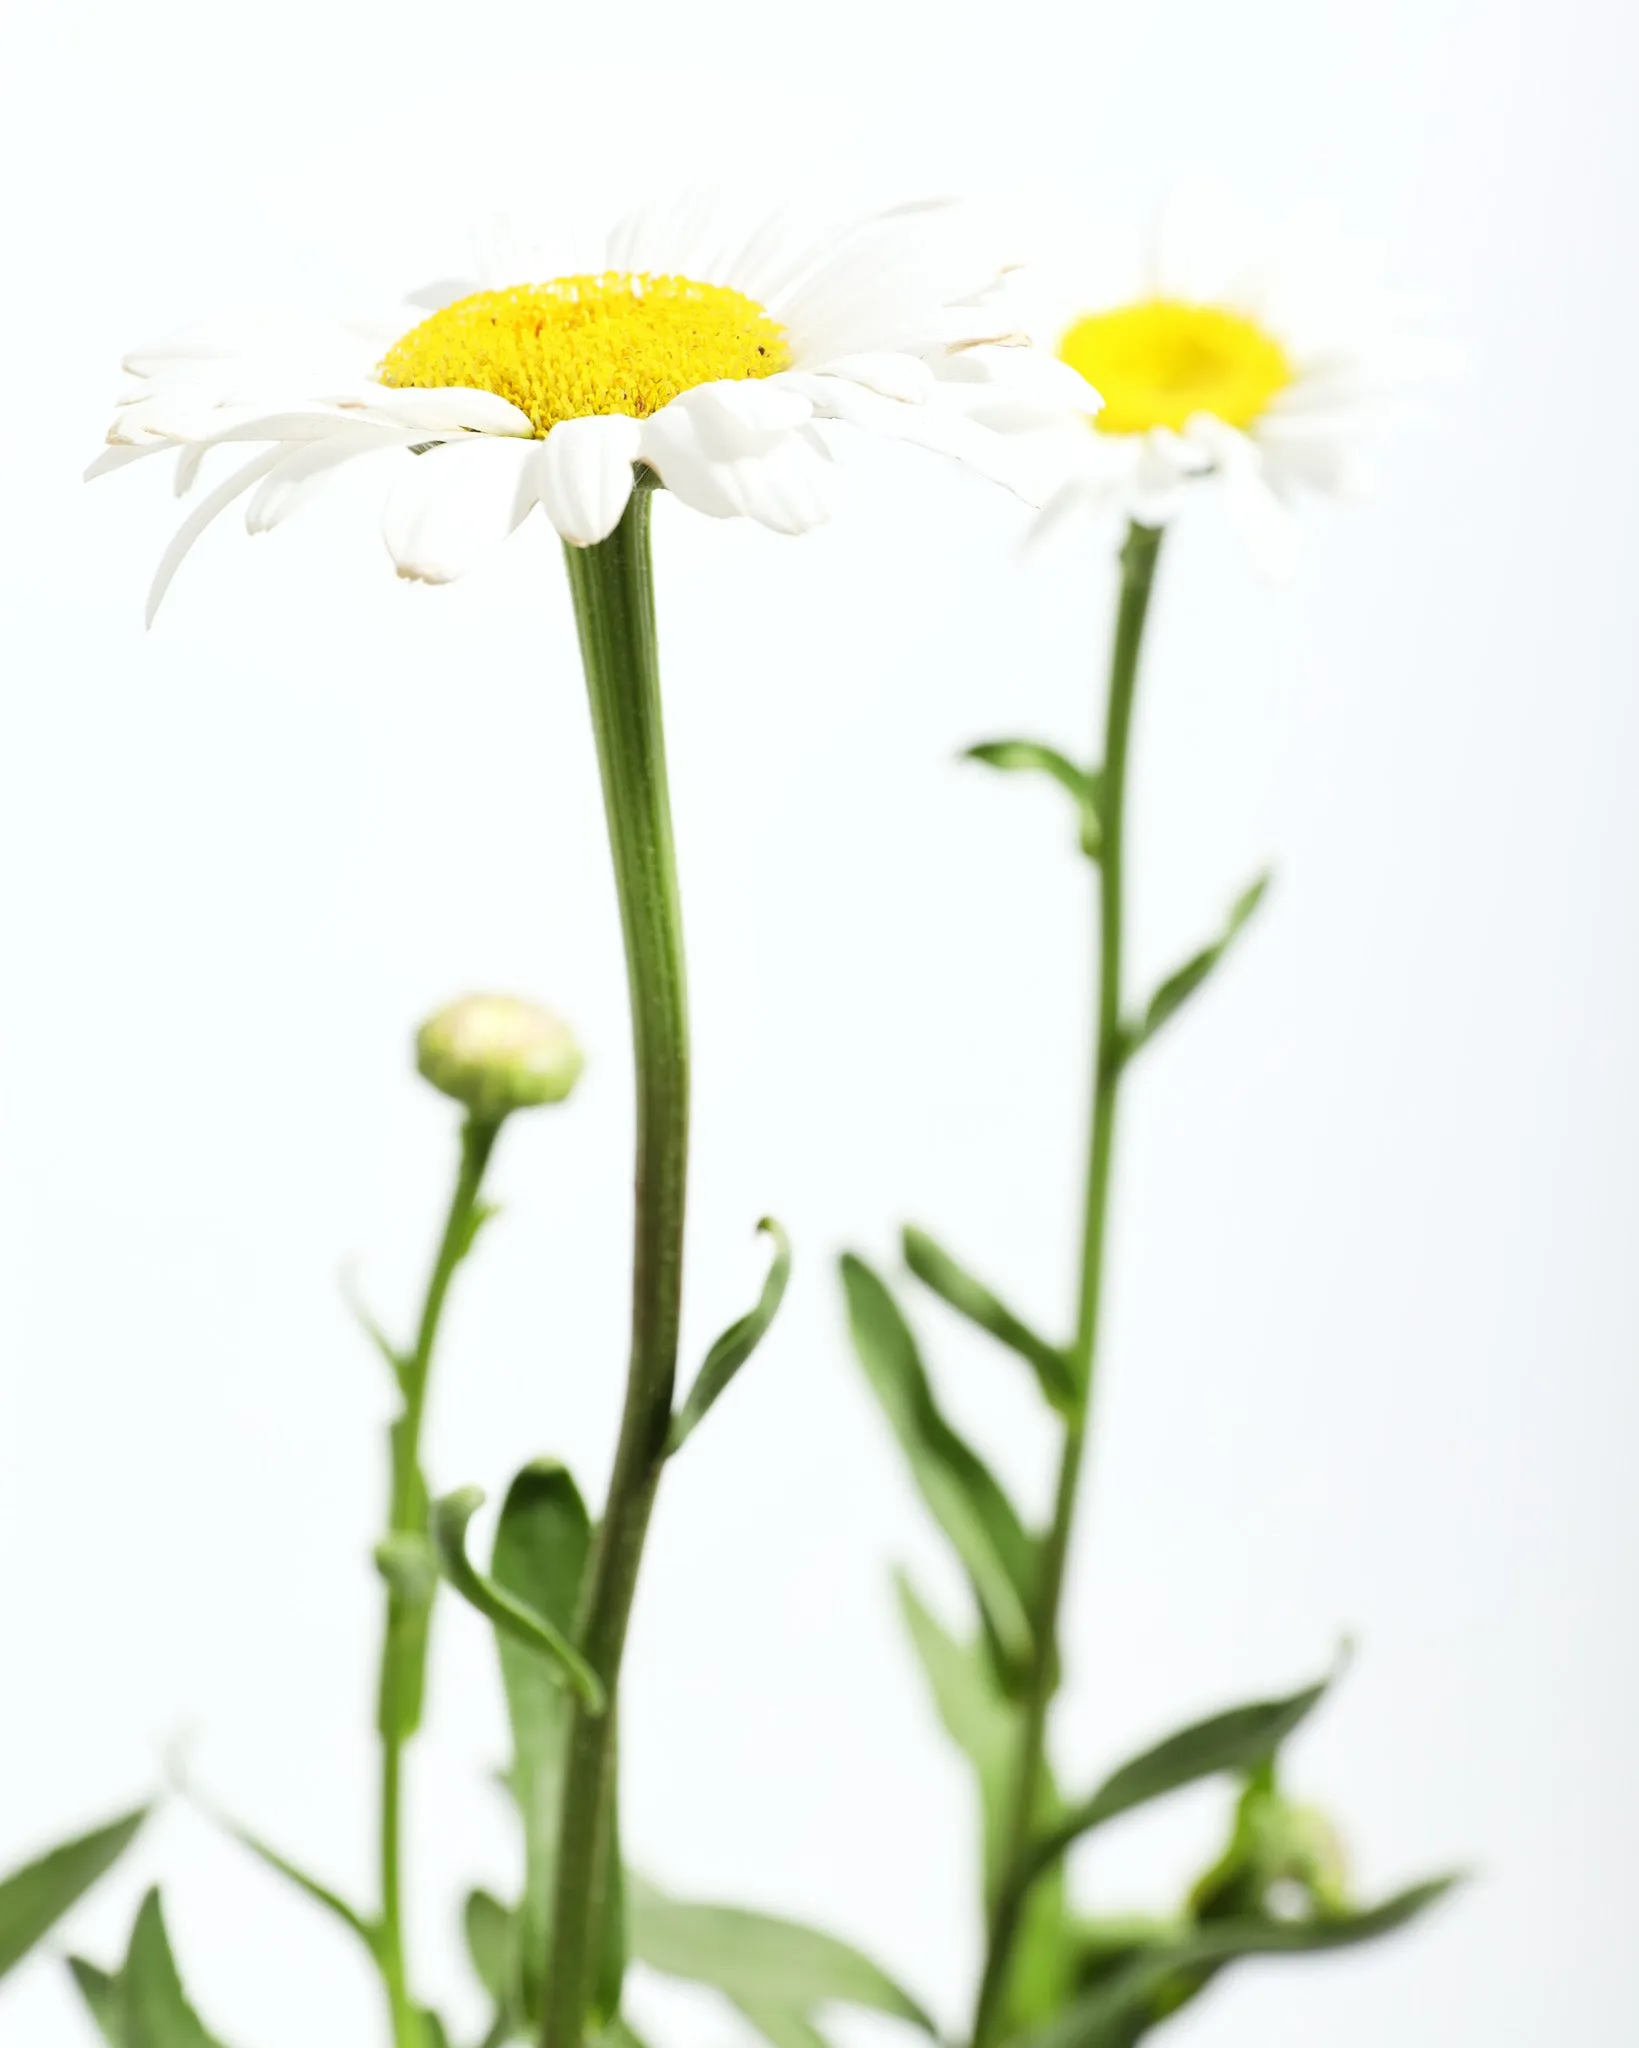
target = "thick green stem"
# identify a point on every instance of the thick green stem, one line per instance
(614, 609)
(1138, 559)
(409, 1594)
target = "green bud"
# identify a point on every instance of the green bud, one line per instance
(496, 1054)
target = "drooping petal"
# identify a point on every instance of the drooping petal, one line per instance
(583, 475)
(447, 409)
(456, 502)
(305, 469)
(199, 518)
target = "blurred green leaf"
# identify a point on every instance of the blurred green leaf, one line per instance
(759, 1962)
(320, 1893)
(936, 1269)
(510, 1615)
(104, 1999)
(958, 1487)
(542, 1543)
(1177, 989)
(1030, 757)
(737, 1343)
(433, 2031)
(987, 1727)
(1231, 1741)
(397, 1361)
(1104, 2017)
(155, 2012)
(489, 1930)
(34, 1899)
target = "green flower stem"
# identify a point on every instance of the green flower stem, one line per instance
(409, 1605)
(1138, 560)
(614, 609)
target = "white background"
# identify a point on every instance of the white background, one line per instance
(1372, 1336)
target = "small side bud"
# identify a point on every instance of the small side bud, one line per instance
(495, 1054)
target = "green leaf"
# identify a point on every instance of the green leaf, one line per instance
(433, 2031)
(783, 2026)
(34, 1899)
(542, 1542)
(737, 1343)
(512, 1616)
(759, 1961)
(1177, 989)
(1231, 1741)
(319, 1892)
(936, 1269)
(104, 1999)
(1103, 2019)
(397, 1361)
(987, 1727)
(155, 2012)
(963, 1494)
(489, 1930)
(1031, 757)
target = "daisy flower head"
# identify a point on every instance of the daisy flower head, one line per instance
(1263, 358)
(693, 349)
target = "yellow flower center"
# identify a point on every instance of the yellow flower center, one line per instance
(624, 342)
(1161, 361)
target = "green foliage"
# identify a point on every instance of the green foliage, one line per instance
(936, 1269)
(1031, 757)
(777, 1972)
(986, 1727)
(965, 1498)
(34, 1899)
(504, 1610)
(320, 1893)
(1179, 986)
(1161, 1975)
(143, 2005)
(737, 1343)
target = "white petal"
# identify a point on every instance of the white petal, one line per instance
(117, 458)
(447, 408)
(583, 475)
(671, 445)
(455, 503)
(904, 377)
(442, 292)
(199, 518)
(789, 489)
(719, 467)
(188, 459)
(304, 469)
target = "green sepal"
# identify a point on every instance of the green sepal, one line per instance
(760, 1962)
(504, 1610)
(34, 1898)
(1160, 1977)
(1178, 987)
(736, 1344)
(1031, 757)
(936, 1269)
(965, 1498)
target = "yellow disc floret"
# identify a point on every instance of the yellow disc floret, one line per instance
(624, 342)
(1159, 362)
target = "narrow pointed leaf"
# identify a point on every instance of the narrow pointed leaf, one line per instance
(502, 1609)
(1031, 757)
(542, 1541)
(782, 2026)
(1103, 2019)
(756, 1959)
(987, 1726)
(397, 1362)
(155, 2009)
(434, 2034)
(488, 1926)
(1177, 989)
(320, 1893)
(737, 1343)
(936, 1269)
(34, 1899)
(963, 1494)
(1231, 1741)
(104, 1999)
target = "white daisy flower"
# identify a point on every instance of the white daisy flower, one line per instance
(706, 355)
(1263, 359)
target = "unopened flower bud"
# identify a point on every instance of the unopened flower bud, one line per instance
(496, 1054)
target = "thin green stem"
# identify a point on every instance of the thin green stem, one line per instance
(614, 609)
(1138, 560)
(409, 1593)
